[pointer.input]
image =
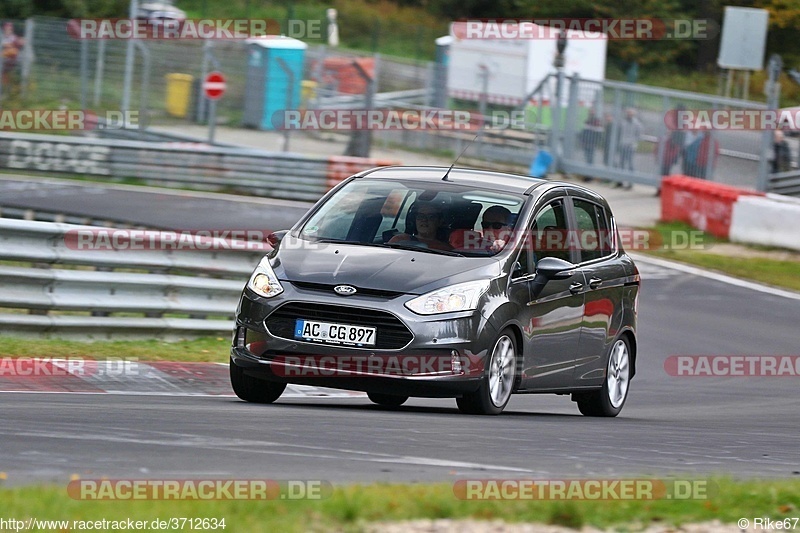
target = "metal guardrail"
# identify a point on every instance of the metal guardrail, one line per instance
(51, 285)
(787, 183)
(196, 165)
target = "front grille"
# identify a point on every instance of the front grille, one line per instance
(324, 287)
(392, 334)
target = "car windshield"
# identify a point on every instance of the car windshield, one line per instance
(438, 217)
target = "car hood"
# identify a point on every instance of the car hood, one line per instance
(377, 268)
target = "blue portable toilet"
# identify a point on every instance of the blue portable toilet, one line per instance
(269, 89)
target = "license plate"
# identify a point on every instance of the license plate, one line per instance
(334, 333)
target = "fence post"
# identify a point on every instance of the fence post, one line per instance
(570, 124)
(129, 60)
(27, 57)
(289, 93)
(773, 96)
(84, 73)
(98, 71)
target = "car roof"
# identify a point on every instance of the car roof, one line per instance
(499, 181)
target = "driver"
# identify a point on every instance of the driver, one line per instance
(496, 225)
(428, 221)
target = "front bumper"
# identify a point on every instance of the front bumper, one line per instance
(445, 357)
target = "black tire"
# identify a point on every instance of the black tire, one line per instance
(601, 403)
(254, 390)
(483, 401)
(387, 400)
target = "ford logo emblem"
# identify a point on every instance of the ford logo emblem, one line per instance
(344, 290)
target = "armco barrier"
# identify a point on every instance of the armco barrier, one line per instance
(341, 167)
(270, 174)
(769, 221)
(189, 291)
(705, 205)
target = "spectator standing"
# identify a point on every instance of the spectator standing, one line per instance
(12, 45)
(697, 153)
(630, 131)
(591, 136)
(781, 155)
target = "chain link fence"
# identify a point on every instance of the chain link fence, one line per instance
(589, 130)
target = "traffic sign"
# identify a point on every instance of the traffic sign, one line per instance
(214, 85)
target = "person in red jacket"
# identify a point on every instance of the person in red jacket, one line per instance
(697, 153)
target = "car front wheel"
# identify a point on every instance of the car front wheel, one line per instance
(254, 390)
(609, 400)
(495, 390)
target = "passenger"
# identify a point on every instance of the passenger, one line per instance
(429, 221)
(496, 225)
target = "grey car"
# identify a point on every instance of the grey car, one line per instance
(433, 282)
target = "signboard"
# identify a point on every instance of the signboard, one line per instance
(744, 38)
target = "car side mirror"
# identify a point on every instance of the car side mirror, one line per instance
(549, 268)
(275, 238)
(554, 268)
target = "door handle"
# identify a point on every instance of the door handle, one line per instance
(595, 282)
(575, 288)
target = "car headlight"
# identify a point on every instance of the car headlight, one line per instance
(263, 280)
(460, 297)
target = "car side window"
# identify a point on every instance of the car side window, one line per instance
(594, 239)
(549, 234)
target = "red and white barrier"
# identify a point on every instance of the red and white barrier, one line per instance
(741, 215)
(771, 220)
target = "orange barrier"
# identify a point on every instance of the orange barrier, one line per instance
(703, 204)
(345, 75)
(341, 167)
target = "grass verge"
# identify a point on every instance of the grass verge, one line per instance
(351, 508)
(751, 263)
(210, 349)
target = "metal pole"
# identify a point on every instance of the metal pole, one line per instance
(143, 97)
(129, 60)
(98, 71)
(729, 83)
(555, 120)
(2, 67)
(746, 85)
(773, 95)
(84, 72)
(289, 94)
(212, 121)
(27, 56)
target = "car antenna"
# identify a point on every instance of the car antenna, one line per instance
(444, 178)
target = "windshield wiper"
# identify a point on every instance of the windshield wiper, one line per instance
(358, 243)
(423, 249)
(398, 246)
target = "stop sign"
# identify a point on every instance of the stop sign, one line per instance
(214, 85)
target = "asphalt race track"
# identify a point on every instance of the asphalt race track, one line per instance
(686, 426)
